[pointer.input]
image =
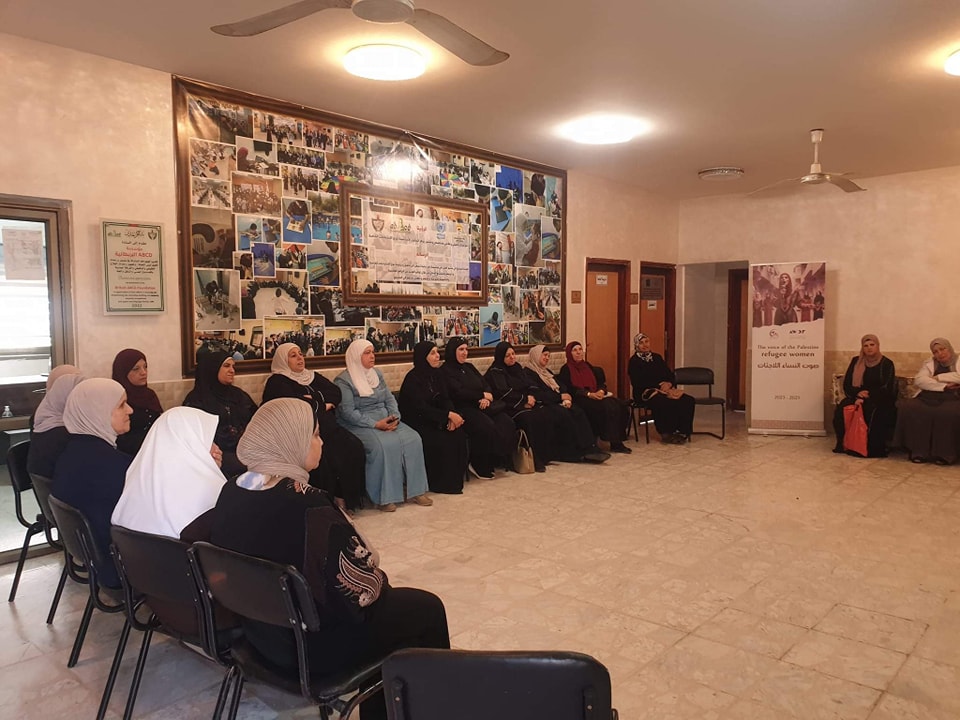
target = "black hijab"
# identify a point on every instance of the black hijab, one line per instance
(420, 352)
(207, 388)
(450, 351)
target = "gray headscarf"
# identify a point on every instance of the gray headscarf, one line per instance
(50, 411)
(277, 440)
(90, 408)
(952, 364)
(533, 363)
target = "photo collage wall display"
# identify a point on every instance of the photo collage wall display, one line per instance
(265, 235)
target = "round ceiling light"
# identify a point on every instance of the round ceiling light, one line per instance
(384, 62)
(604, 129)
(720, 174)
(952, 65)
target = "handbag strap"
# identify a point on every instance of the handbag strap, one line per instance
(522, 440)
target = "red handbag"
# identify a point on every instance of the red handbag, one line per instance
(855, 429)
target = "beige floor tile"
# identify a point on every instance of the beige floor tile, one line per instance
(941, 642)
(754, 633)
(892, 707)
(809, 695)
(847, 659)
(928, 683)
(722, 667)
(874, 628)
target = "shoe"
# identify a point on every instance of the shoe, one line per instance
(918, 460)
(389, 507)
(603, 445)
(487, 475)
(621, 448)
(596, 457)
(540, 468)
(680, 438)
(422, 500)
(839, 449)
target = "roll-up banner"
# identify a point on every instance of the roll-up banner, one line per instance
(788, 337)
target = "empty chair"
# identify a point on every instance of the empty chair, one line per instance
(275, 594)
(156, 570)
(688, 376)
(21, 483)
(71, 568)
(423, 684)
(78, 543)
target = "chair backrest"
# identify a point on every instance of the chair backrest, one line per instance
(19, 477)
(422, 684)
(255, 588)
(694, 376)
(77, 537)
(41, 488)
(158, 569)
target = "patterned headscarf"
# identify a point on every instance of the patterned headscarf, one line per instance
(277, 440)
(90, 406)
(648, 355)
(281, 365)
(363, 380)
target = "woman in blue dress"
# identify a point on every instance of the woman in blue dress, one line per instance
(394, 451)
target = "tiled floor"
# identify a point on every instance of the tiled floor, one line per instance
(759, 578)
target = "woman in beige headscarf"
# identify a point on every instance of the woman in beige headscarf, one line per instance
(272, 512)
(928, 425)
(871, 381)
(48, 436)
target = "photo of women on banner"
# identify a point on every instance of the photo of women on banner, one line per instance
(787, 376)
(216, 300)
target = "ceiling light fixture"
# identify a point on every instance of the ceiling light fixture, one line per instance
(384, 62)
(604, 129)
(720, 174)
(952, 65)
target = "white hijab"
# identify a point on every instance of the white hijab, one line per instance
(173, 479)
(50, 411)
(277, 439)
(363, 380)
(281, 365)
(90, 408)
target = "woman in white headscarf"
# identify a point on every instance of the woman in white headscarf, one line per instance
(394, 450)
(341, 468)
(172, 498)
(49, 437)
(90, 473)
(272, 512)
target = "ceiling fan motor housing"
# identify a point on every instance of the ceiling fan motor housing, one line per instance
(383, 11)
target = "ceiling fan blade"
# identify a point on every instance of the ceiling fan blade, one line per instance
(778, 188)
(843, 183)
(469, 48)
(278, 17)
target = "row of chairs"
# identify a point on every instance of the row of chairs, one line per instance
(640, 414)
(194, 593)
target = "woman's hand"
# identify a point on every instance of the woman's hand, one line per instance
(598, 395)
(531, 401)
(387, 424)
(330, 406)
(665, 386)
(488, 397)
(483, 403)
(863, 394)
(217, 454)
(454, 421)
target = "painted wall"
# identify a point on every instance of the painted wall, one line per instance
(891, 252)
(99, 133)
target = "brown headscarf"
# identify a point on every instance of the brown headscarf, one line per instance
(138, 396)
(581, 374)
(863, 362)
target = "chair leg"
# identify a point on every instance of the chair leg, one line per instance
(633, 422)
(235, 700)
(137, 675)
(81, 633)
(31, 531)
(114, 667)
(646, 430)
(225, 685)
(57, 594)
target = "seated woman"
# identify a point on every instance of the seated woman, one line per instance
(510, 385)
(608, 416)
(90, 472)
(427, 408)
(174, 499)
(273, 513)
(341, 468)
(574, 440)
(394, 451)
(130, 370)
(49, 437)
(928, 425)
(493, 436)
(214, 393)
(871, 380)
(654, 387)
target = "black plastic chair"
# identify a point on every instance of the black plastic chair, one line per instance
(423, 684)
(640, 414)
(21, 483)
(278, 595)
(78, 543)
(155, 571)
(71, 568)
(704, 376)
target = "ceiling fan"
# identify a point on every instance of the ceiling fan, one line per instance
(454, 38)
(816, 176)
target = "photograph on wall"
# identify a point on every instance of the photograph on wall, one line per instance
(491, 325)
(531, 305)
(260, 200)
(391, 336)
(337, 340)
(305, 333)
(516, 333)
(216, 299)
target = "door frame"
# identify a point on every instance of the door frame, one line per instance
(669, 272)
(622, 269)
(735, 277)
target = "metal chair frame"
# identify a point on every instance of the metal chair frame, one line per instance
(704, 376)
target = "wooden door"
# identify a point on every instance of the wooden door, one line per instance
(739, 305)
(606, 320)
(657, 303)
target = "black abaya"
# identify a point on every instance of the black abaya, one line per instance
(669, 415)
(608, 417)
(879, 410)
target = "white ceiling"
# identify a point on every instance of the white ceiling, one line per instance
(724, 82)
